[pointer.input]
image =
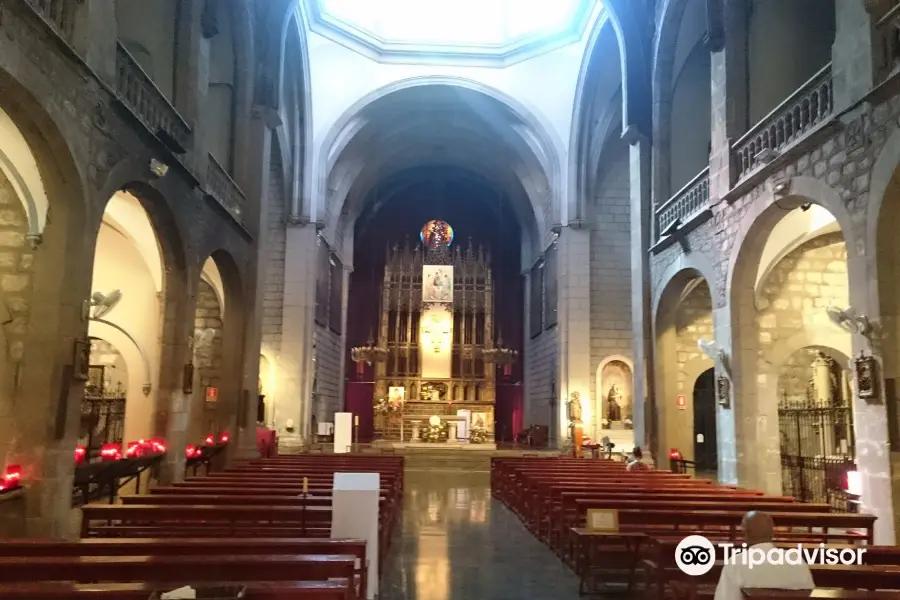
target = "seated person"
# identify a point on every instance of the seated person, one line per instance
(759, 530)
(637, 463)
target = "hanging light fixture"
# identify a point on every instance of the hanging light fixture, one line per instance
(367, 355)
(501, 356)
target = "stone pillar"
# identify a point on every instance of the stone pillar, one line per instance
(854, 70)
(729, 98)
(641, 311)
(342, 379)
(296, 364)
(574, 305)
(257, 176)
(725, 415)
(173, 405)
(95, 37)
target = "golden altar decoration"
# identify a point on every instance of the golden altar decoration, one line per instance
(436, 322)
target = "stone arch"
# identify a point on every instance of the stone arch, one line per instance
(231, 375)
(758, 216)
(695, 261)
(139, 409)
(57, 269)
(676, 339)
(663, 77)
(755, 408)
(538, 133)
(589, 134)
(881, 181)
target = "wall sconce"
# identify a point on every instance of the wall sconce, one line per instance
(158, 168)
(712, 350)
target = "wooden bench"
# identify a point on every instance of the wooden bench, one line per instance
(187, 546)
(820, 592)
(205, 521)
(256, 590)
(186, 568)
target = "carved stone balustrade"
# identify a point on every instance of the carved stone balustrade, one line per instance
(686, 203)
(223, 188)
(137, 90)
(59, 14)
(811, 105)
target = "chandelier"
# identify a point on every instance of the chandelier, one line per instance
(500, 356)
(367, 355)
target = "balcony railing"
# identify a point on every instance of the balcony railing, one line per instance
(888, 28)
(137, 90)
(806, 108)
(223, 188)
(687, 202)
(59, 14)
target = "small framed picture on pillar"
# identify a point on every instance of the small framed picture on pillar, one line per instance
(81, 359)
(723, 387)
(866, 377)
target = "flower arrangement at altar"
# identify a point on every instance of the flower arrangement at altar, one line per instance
(385, 407)
(478, 435)
(436, 434)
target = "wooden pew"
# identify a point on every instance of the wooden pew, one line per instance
(829, 593)
(185, 569)
(187, 546)
(143, 520)
(257, 590)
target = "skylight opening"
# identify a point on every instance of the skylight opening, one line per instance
(469, 23)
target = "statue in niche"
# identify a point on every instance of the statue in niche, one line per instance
(616, 378)
(613, 404)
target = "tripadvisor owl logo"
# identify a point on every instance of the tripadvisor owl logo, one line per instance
(695, 555)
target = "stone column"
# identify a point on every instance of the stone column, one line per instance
(342, 379)
(641, 312)
(95, 37)
(574, 305)
(173, 405)
(730, 120)
(256, 191)
(854, 70)
(296, 365)
(729, 98)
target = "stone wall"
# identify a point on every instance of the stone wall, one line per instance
(794, 295)
(693, 321)
(328, 374)
(16, 286)
(273, 281)
(207, 363)
(610, 266)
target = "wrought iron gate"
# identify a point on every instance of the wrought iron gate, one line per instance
(817, 445)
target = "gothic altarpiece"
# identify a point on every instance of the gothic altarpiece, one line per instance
(436, 320)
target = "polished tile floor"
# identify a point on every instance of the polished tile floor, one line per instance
(457, 543)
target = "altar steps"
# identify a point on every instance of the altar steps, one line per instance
(417, 459)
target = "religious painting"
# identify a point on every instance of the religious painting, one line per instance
(396, 395)
(616, 391)
(323, 274)
(536, 307)
(480, 420)
(437, 284)
(866, 379)
(551, 294)
(336, 295)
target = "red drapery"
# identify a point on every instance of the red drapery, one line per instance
(358, 400)
(509, 412)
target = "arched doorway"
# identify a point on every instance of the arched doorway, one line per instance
(705, 439)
